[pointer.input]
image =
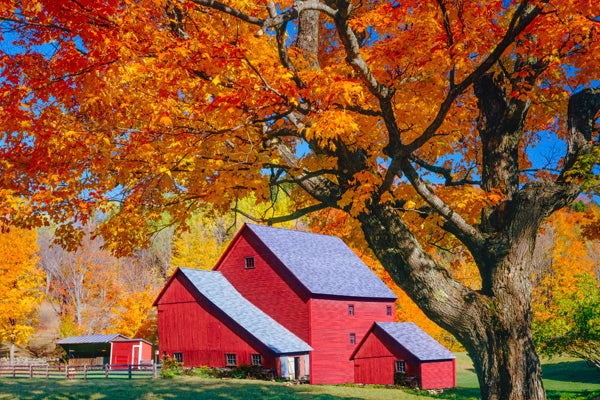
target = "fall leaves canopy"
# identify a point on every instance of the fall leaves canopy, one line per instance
(169, 105)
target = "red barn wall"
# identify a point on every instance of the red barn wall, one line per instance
(268, 285)
(330, 335)
(374, 360)
(438, 375)
(190, 326)
(121, 352)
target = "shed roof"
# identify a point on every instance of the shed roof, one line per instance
(218, 291)
(416, 341)
(91, 339)
(323, 264)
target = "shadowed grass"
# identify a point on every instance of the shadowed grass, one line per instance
(564, 379)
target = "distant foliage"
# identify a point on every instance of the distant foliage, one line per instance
(20, 283)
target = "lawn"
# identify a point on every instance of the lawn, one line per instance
(564, 378)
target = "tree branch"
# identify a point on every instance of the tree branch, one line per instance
(290, 217)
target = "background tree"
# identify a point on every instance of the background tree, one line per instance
(389, 111)
(20, 294)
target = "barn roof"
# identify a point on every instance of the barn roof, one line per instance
(91, 339)
(323, 264)
(218, 291)
(416, 341)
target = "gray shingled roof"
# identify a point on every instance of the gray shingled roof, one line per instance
(90, 339)
(416, 341)
(323, 264)
(217, 290)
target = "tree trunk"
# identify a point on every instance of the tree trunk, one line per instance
(503, 352)
(12, 352)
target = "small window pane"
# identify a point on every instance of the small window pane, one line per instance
(400, 366)
(350, 309)
(230, 360)
(256, 359)
(352, 338)
(178, 357)
(249, 262)
(388, 310)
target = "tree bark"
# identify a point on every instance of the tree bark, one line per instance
(12, 352)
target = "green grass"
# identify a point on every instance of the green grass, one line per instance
(564, 378)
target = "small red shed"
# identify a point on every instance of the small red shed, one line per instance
(130, 351)
(391, 348)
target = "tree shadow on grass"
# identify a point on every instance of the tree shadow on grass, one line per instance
(177, 389)
(457, 393)
(572, 371)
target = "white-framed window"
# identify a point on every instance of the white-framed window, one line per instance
(231, 359)
(350, 309)
(388, 310)
(249, 262)
(178, 357)
(352, 338)
(256, 359)
(400, 366)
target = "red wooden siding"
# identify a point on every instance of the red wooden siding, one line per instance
(123, 352)
(268, 285)
(191, 326)
(374, 360)
(330, 335)
(374, 364)
(438, 375)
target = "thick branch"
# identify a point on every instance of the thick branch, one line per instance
(284, 218)
(524, 15)
(455, 224)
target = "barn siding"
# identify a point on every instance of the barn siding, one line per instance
(374, 360)
(330, 335)
(121, 352)
(268, 286)
(438, 374)
(190, 326)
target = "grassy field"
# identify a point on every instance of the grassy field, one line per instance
(565, 379)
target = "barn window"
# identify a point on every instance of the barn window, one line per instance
(249, 262)
(256, 359)
(178, 357)
(350, 309)
(401, 366)
(388, 310)
(352, 338)
(231, 360)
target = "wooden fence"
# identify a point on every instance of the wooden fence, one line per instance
(42, 371)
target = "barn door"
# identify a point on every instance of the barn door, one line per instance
(296, 367)
(135, 354)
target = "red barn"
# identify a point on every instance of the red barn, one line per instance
(403, 348)
(204, 321)
(130, 351)
(312, 284)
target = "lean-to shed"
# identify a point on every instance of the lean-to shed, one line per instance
(392, 350)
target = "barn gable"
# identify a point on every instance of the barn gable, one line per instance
(323, 264)
(416, 341)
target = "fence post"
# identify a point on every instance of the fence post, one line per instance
(47, 371)
(153, 371)
(85, 372)
(106, 371)
(129, 371)
(30, 371)
(66, 372)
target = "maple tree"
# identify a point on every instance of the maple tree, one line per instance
(394, 112)
(20, 294)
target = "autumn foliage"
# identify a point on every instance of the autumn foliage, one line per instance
(419, 119)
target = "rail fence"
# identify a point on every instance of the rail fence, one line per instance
(41, 371)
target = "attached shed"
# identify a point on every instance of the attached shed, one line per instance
(204, 321)
(403, 350)
(89, 349)
(130, 351)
